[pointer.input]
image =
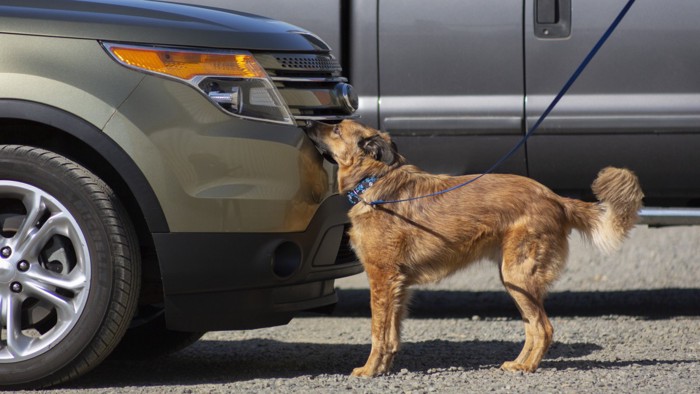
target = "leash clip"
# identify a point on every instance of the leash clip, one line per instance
(369, 204)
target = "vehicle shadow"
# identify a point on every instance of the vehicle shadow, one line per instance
(219, 362)
(428, 304)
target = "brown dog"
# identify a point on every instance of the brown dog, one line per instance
(513, 220)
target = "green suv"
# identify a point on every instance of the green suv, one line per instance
(155, 182)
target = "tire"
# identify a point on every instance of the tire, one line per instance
(69, 269)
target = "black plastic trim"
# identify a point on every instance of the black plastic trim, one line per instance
(223, 281)
(101, 143)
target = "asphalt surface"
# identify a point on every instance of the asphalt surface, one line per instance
(625, 323)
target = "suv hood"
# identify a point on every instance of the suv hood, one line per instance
(154, 22)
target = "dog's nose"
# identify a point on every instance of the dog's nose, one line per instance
(310, 124)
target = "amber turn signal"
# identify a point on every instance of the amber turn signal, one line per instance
(188, 64)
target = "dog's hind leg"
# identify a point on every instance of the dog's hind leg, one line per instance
(389, 296)
(538, 330)
(526, 271)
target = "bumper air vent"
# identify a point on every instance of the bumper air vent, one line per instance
(345, 252)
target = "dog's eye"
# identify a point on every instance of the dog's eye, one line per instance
(336, 130)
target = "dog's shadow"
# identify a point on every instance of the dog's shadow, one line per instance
(429, 304)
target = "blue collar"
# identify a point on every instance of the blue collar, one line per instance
(354, 195)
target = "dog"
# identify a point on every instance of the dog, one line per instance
(514, 220)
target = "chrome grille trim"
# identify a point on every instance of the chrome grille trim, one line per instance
(311, 84)
(326, 117)
(291, 79)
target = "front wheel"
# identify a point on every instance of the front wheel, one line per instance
(69, 268)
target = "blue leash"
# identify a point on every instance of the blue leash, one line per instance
(544, 115)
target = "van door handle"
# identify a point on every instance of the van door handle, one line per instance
(552, 18)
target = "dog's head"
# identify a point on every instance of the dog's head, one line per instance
(358, 150)
(349, 142)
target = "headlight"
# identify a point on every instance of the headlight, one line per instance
(232, 79)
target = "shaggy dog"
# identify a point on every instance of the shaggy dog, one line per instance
(513, 220)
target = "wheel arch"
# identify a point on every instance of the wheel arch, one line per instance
(51, 128)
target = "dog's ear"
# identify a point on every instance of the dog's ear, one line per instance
(380, 149)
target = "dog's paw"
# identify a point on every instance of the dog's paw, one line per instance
(363, 372)
(512, 366)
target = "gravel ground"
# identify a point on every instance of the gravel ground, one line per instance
(624, 323)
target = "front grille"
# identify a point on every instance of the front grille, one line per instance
(314, 63)
(311, 84)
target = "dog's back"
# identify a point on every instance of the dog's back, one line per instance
(436, 236)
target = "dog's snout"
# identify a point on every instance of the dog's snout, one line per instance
(312, 129)
(309, 125)
(314, 125)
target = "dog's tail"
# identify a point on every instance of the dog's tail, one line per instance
(608, 222)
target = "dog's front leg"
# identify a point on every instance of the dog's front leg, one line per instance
(388, 300)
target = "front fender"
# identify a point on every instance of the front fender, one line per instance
(101, 143)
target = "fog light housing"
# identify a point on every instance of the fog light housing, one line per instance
(286, 260)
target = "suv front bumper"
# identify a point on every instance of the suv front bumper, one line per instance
(223, 281)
